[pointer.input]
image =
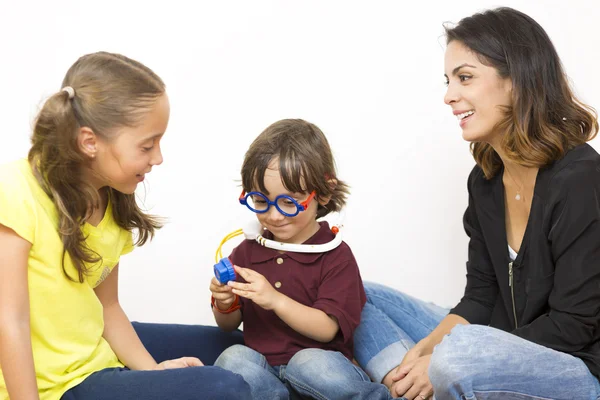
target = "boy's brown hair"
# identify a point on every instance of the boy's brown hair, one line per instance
(305, 162)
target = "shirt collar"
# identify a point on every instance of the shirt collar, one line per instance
(262, 254)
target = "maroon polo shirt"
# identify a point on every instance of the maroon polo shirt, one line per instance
(328, 281)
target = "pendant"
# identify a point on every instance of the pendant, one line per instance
(518, 197)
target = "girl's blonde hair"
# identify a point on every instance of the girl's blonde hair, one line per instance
(111, 92)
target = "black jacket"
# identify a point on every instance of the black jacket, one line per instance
(555, 292)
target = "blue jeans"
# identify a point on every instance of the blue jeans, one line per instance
(473, 361)
(165, 342)
(313, 373)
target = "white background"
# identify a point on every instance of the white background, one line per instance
(369, 73)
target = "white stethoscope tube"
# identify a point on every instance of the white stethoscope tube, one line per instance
(254, 229)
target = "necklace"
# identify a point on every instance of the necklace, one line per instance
(519, 188)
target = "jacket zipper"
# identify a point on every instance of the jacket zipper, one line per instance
(512, 291)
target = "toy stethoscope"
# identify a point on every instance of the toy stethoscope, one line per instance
(223, 268)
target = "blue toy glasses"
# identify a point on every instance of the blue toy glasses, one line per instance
(286, 205)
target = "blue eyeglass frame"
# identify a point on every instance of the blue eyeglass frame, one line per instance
(299, 206)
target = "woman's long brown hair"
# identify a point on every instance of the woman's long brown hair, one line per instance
(545, 118)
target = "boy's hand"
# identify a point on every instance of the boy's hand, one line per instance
(222, 293)
(258, 289)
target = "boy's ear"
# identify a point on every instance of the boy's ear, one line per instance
(87, 142)
(323, 200)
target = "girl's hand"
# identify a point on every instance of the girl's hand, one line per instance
(258, 289)
(222, 293)
(182, 362)
(414, 381)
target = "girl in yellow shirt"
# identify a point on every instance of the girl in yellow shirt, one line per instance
(66, 216)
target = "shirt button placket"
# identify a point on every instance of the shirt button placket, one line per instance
(279, 261)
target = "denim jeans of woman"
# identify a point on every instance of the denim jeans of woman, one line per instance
(472, 362)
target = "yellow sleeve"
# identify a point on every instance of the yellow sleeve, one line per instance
(17, 206)
(128, 248)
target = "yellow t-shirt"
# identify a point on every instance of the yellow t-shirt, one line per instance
(66, 317)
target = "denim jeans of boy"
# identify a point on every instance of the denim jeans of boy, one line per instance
(472, 362)
(311, 373)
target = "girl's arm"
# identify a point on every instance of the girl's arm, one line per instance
(121, 336)
(118, 331)
(16, 355)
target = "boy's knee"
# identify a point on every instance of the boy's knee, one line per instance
(232, 355)
(308, 357)
(315, 365)
(308, 363)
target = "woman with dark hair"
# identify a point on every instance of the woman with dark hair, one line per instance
(528, 324)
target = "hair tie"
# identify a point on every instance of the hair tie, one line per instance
(70, 91)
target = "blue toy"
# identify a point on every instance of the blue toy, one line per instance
(224, 271)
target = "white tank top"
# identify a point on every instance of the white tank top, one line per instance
(512, 254)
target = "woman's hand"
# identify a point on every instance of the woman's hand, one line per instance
(411, 379)
(222, 293)
(258, 289)
(414, 353)
(182, 362)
